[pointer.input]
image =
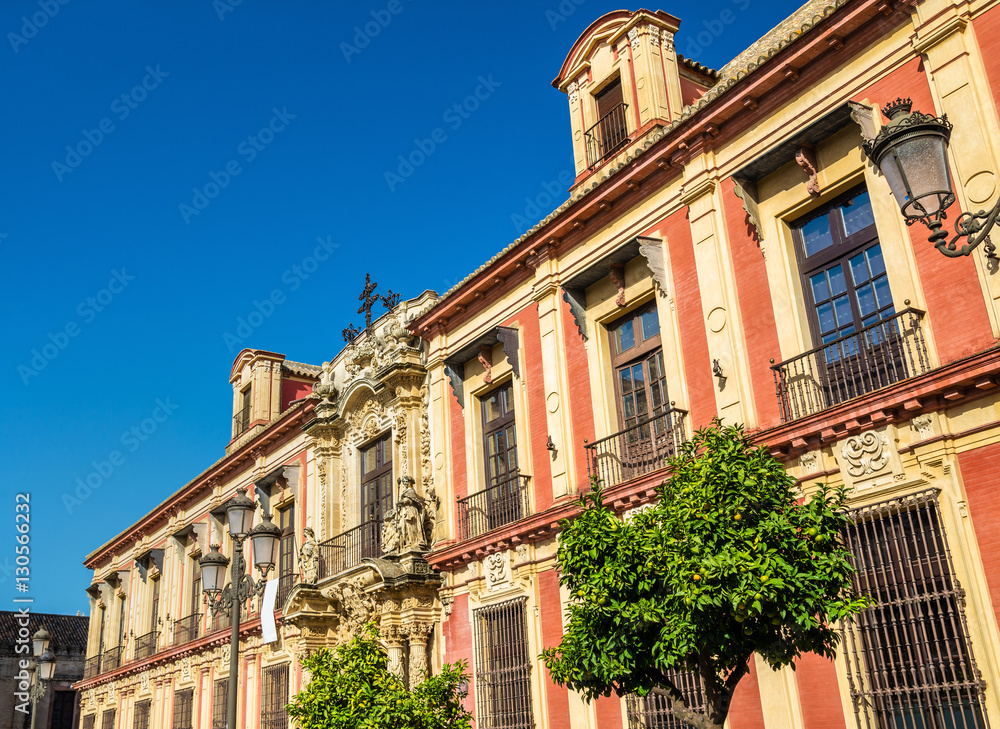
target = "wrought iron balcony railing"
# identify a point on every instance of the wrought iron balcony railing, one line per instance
(145, 645)
(502, 503)
(92, 666)
(285, 585)
(111, 659)
(187, 629)
(346, 550)
(882, 353)
(607, 136)
(241, 421)
(639, 449)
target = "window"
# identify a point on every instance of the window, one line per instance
(610, 133)
(154, 612)
(63, 704)
(88, 721)
(376, 494)
(286, 553)
(183, 709)
(241, 421)
(100, 634)
(188, 628)
(503, 667)
(108, 719)
(909, 656)
(640, 381)
(220, 705)
(140, 720)
(653, 711)
(274, 697)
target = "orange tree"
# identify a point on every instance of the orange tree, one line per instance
(726, 563)
(353, 688)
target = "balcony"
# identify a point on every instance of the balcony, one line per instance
(241, 421)
(346, 550)
(607, 136)
(638, 450)
(502, 503)
(145, 645)
(111, 659)
(92, 667)
(879, 355)
(187, 629)
(285, 585)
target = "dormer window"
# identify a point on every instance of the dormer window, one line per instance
(241, 421)
(610, 133)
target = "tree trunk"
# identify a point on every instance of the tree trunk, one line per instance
(695, 719)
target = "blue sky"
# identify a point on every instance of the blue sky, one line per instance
(167, 165)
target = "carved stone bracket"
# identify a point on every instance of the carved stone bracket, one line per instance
(578, 310)
(746, 191)
(652, 250)
(455, 372)
(616, 271)
(805, 157)
(508, 338)
(485, 358)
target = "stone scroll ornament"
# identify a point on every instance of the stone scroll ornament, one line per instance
(865, 453)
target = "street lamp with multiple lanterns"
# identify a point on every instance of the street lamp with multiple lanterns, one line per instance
(911, 151)
(229, 599)
(46, 669)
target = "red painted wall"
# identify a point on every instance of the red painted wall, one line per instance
(951, 285)
(754, 294)
(458, 639)
(293, 390)
(609, 712)
(687, 299)
(980, 472)
(531, 372)
(745, 711)
(551, 617)
(580, 402)
(457, 423)
(818, 693)
(987, 28)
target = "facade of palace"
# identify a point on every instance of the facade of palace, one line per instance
(727, 250)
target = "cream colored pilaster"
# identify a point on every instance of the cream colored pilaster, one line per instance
(555, 376)
(961, 89)
(439, 422)
(779, 697)
(716, 282)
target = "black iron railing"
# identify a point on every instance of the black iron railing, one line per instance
(274, 697)
(653, 710)
(187, 629)
(241, 421)
(285, 585)
(145, 645)
(92, 667)
(639, 449)
(346, 550)
(607, 136)
(111, 659)
(503, 666)
(502, 503)
(888, 351)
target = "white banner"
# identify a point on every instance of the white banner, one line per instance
(268, 631)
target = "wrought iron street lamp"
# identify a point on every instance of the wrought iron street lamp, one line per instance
(911, 150)
(46, 661)
(229, 599)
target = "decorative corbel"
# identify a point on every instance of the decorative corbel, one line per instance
(806, 159)
(746, 191)
(617, 273)
(486, 360)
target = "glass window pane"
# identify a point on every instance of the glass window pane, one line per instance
(858, 213)
(825, 314)
(638, 376)
(641, 406)
(866, 301)
(650, 324)
(626, 380)
(654, 368)
(821, 292)
(368, 459)
(838, 285)
(859, 269)
(492, 404)
(628, 405)
(844, 315)
(882, 292)
(875, 262)
(816, 235)
(625, 335)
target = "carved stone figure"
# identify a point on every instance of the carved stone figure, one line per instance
(390, 532)
(309, 557)
(431, 505)
(410, 518)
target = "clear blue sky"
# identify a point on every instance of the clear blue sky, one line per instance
(134, 294)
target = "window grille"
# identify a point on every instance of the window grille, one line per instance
(183, 705)
(653, 711)
(910, 661)
(108, 719)
(503, 667)
(141, 718)
(88, 721)
(274, 687)
(220, 703)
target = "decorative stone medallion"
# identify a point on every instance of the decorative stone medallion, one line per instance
(865, 453)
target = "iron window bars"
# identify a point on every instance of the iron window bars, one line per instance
(653, 711)
(503, 666)
(220, 698)
(108, 719)
(910, 661)
(183, 709)
(140, 719)
(274, 690)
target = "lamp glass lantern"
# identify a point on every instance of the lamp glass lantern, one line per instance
(239, 510)
(265, 537)
(213, 570)
(40, 642)
(46, 665)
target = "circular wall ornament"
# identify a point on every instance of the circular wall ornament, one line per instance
(717, 319)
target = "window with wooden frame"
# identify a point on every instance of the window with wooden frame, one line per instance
(610, 132)
(637, 360)
(376, 493)
(242, 419)
(505, 489)
(286, 553)
(183, 709)
(154, 610)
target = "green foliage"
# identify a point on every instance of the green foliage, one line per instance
(727, 563)
(353, 689)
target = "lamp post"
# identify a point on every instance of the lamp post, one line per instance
(46, 661)
(230, 599)
(911, 151)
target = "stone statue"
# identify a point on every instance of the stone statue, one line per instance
(390, 532)
(410, 518)
(431, 505)
(309, 557)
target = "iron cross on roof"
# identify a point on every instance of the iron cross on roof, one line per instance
(368, 299)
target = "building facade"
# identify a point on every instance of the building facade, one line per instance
(727, 250)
